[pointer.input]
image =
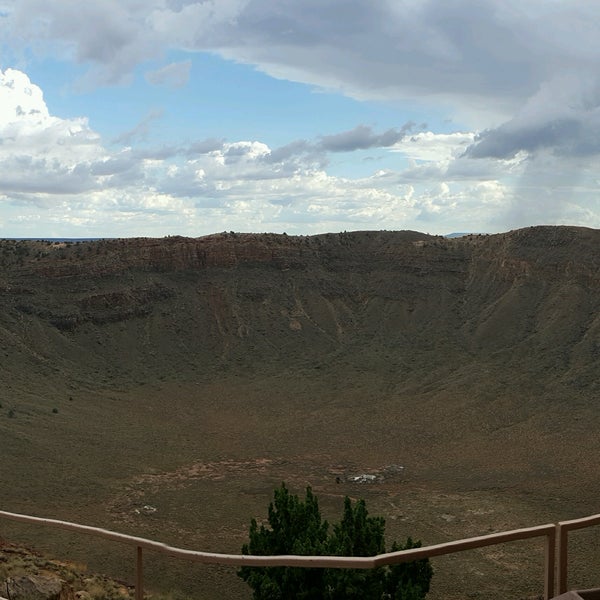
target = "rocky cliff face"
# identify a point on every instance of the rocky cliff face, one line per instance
(232, 299)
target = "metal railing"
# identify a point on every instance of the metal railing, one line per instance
(553, 564)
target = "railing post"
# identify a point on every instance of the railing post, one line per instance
(549, 564)
(563, 558)
(139, 574)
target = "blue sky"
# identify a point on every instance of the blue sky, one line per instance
(189, 117)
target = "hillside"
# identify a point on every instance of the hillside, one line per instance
(159, 372)
(236, 300)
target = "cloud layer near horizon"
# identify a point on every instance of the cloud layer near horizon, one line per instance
(529, 95)
(64, 167)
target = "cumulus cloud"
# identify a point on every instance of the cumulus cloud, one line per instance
(20, 100)
(494, 61)
(63, 167)
(39, 151)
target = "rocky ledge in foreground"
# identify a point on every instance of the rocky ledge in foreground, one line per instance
(27, 575)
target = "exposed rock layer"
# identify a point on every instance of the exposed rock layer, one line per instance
(232, 299)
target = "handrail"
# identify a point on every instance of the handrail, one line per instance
(338, 562)
(562, 534)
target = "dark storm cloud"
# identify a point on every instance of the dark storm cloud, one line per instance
(467, 49)
(506, 141)
(575, 135)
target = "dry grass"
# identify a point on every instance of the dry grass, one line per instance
(208, 459)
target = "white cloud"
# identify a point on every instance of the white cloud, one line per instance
(20, 101)
(511, 67)
(488, 61)
(61, 169)
(40, 152)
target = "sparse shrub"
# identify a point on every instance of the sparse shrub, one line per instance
(55, 410)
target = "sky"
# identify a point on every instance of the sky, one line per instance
(125, 118)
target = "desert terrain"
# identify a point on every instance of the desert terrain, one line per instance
(165, 387)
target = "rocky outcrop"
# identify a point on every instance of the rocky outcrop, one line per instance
(29, 575)
(38, 587)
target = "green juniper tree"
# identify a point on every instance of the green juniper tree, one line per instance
(296, 527)
(357, 534)
(409, 580)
